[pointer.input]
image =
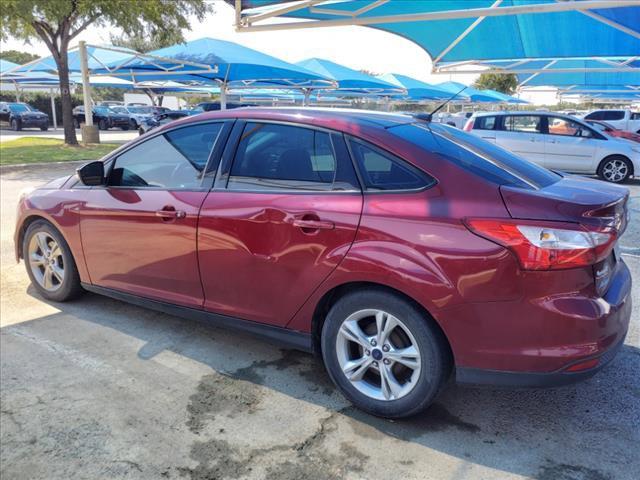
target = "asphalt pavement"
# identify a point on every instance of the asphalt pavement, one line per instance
(100, 389)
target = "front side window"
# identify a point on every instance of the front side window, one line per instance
(273, 156)
(173, 160)
(381, 171)
(564, 127)
(523, 123)
(484, 123)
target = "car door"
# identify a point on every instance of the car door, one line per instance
(139, 231)
(569, 146)
(522, 135)
(283, 213)
(4, 115)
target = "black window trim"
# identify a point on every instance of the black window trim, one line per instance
(233, 142)
(207, 179)
(430, 180)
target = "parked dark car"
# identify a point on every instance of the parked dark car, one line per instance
(402, 252)
(104, 117)
(214, 106)
(163, 119)
(21, 115)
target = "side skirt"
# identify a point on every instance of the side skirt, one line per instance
(281, 336)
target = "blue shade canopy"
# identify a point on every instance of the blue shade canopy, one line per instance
(97, 59)
(6, 65)
(504, 98)
(416, 89)
(208, 60)
(469, 93)
(459, 30)
(349, 79)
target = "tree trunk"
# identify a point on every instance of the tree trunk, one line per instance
(65, 99)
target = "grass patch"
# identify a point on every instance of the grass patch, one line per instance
(42, 149)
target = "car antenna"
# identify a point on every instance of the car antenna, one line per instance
(427, 117)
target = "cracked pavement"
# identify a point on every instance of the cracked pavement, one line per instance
(97, 388)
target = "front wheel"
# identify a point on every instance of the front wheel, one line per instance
(49, 262)
(15, 125)
(384, 354)
(44, 129)
(102, 125)
(615, 169)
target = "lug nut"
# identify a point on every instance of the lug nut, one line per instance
(373, 343)
(386, 361)
(385, 348)
(367, 352)
(375, 364)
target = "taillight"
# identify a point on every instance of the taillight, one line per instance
(469, 125)
(546, 245)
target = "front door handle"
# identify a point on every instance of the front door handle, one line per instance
(169, 212)
(313, 224)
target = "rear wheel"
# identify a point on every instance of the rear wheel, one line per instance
(383, 354)
(76, 123)
(49, 263)
(615, 169)
(15, 125)
(44, 129)
(126, 127)
(102, 125)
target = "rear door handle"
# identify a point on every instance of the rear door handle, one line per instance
(169, 212)
(309, 224)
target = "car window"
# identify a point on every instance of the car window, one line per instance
(173, 160)
(102, 110)
(564, 127)
(382, 171)
(274, 156)
(635, 115)
(484, 123)
(476, 155)
(19, 108)
(612, 115)
(599, 126)
(523, 123)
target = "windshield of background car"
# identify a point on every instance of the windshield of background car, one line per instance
(119, 110)
(143, 110)
(103, 110)
(475, 155)
(19, 108)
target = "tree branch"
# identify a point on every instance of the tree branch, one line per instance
(87, 22)
(50, 41)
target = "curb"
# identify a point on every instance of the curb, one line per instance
(21, 166)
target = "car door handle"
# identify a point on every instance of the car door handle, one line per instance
(170, 213)
(308, 223)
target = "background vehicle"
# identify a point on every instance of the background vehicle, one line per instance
(622, 119)
(163, 119)
(214, 106)
(20, 115)
(612, 131)
(559, 142)
(110, 103)
(137, 114)
(104, 117)
(401, 251)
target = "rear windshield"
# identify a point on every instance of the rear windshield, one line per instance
(476, 155)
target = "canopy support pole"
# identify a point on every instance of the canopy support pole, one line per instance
(53, 110)
(307, 95)
(223, 96)
(90, 134)
(17, 93)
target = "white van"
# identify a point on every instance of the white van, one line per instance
(559, 142)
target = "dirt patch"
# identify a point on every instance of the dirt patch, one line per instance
(218, 394)
(216, 459)
(253, 373)
(563, 471)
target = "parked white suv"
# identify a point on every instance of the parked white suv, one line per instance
(559, 142)
(621, 119)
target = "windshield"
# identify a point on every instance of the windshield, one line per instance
(19, 108)
(476, 155)
(103, 110)
(140, 110)
(119, 110)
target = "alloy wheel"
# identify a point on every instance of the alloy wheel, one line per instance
(615, 170)
(46, 261)
(378, 354)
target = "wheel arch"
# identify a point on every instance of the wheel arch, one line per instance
(337, 292)
(614, 155)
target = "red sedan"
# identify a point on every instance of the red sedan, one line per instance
(613, 131)
(402, 252)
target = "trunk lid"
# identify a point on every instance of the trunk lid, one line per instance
(571, 199)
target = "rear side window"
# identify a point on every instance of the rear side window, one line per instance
(274, 156)
(635, 116)
(595, 116)
(484, 123)
(612, 115)
(382, 171)
(477, 156)
(523, 123)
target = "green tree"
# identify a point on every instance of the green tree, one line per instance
(501, 82)
(58, 22)
(16, 56)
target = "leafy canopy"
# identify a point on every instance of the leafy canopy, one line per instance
(17, 56)
(501, 82)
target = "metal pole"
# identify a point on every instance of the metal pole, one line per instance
(223, 96)
(53, 110)
(86, 87)
(307, 95)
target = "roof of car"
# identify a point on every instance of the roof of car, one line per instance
(340, 119)
(521, 112)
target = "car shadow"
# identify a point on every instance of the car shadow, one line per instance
(517, 431)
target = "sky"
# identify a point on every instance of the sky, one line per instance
(355, 47)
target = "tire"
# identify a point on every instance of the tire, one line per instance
(44, 129)
(58, 291)
(615, 169)
(132, 124)
(76, 123)
(416, 387)
(102, 125)
(125, 128)
(15, 125)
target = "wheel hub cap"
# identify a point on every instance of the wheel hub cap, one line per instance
(46, 261)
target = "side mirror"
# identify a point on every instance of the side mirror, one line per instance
(92, 174)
